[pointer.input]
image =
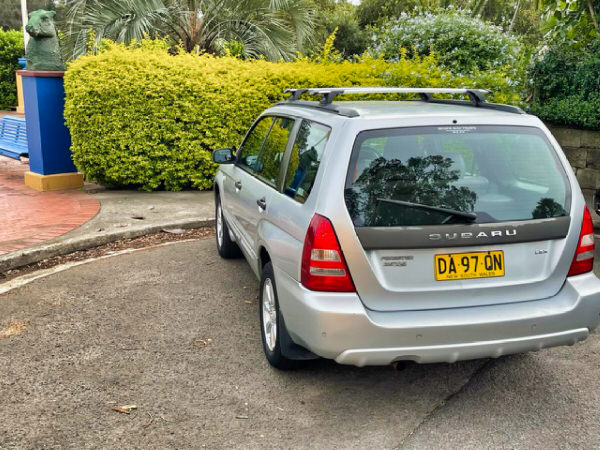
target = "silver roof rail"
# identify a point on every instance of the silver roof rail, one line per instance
(328, 94)
(476, 96)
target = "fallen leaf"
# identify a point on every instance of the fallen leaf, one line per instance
(201, 343)
(125, 409)
(13, 329)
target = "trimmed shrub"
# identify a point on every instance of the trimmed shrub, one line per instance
(567, 87)
(11, 49)
(461, 43)
(140, 117)
(574, 111)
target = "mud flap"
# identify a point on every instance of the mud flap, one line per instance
(290, 349)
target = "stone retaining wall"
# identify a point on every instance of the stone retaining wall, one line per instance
(582, 148)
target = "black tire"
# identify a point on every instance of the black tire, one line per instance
(272, 349)
(227, 248)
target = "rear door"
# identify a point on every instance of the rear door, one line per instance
(457, 216)
(260, 176)
(237, 178)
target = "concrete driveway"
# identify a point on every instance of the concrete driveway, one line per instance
(174, 331)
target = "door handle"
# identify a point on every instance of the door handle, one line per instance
(262, 203)
(238, 185)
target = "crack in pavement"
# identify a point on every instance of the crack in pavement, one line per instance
(429, 416)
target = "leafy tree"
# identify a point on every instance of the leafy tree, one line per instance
(526, 22)
(375, 12)
(350, 39)
(273, 29)
(338, 15)
(371, 12)
(566, 85)
(573, 22)
(10, 12)
(426, 180)
(520, 17)
(547, 207)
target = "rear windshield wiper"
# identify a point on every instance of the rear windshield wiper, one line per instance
(471, 217)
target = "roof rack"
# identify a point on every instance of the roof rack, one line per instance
(476, 96)
(335, 108)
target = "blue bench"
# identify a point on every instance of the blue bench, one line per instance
(13, 137)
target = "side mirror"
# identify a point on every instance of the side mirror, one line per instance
(597, 201)
(224, 156)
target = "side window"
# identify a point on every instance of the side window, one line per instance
(271, 154)
(248, 153)
(305, 159)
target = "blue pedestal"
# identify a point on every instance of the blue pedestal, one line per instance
(49, 140)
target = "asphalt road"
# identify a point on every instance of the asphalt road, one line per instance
(174, 331)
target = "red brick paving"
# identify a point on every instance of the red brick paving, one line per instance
(29, 217)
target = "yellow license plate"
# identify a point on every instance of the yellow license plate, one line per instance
(461, 266)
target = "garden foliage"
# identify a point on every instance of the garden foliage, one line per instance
(461, 43)
(11, 49)
(140, 117)
(567, 87)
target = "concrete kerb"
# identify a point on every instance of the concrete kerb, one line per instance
(44, 251)
(41, 252)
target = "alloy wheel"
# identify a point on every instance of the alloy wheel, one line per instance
(269, 314)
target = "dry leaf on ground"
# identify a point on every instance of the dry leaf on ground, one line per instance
(13, 329)
(202, 342)
(125, 409)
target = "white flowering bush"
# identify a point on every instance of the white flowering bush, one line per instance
(461, 43)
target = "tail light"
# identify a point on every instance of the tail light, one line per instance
(584, 255)
(323, 265)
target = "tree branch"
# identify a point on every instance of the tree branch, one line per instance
(593, 15)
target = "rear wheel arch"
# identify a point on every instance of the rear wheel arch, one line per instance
(264, 257)
(286, 354)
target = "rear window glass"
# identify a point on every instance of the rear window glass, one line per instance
(454, 174)
(305, 159)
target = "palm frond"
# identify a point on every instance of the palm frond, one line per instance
(274, 29)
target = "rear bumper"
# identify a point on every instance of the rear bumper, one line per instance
(337, 325)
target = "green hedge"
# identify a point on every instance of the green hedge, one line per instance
(142, 118)
(573, 111)
(567, 87)
(11, 49)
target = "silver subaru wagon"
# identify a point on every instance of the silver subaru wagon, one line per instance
(424, 230)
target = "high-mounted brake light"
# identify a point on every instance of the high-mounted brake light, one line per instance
(583, 261)
(323, 265)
